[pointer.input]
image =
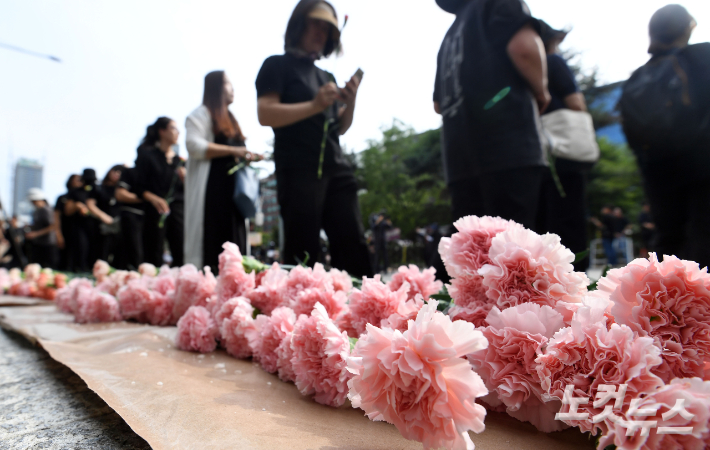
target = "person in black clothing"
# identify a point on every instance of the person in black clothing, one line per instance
(564, 216)
(379, 232)
(491, 84)
(648, 228)
(606, 225)
(216, 145)
(109, 228)
(132, 210)
(160, 175)
(42, 237)
(316, 185)
(675, 173)
(81, 223)
(65, 243)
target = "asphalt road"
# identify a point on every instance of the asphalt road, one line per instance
(44, 405)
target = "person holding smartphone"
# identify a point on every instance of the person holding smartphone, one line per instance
(308, 112)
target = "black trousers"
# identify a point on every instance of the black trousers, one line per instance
(131, 240)
(510, 194)
(678, 192)
(79, 250)
(565, 216)
(44, 255)
(309, 205)
(154, 237)
(381, 259)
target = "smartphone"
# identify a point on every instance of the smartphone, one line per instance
(358, 74)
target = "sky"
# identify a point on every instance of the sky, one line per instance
(126, 63)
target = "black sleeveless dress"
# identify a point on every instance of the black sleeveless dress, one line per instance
(222, 221)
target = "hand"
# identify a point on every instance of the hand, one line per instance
(181, 172)
(543, 100)
(349, 92)
(242, 152)
(108, 220)
(31, 235)
(60, 241)
(158, 203)
(83, 209)
(327, 95)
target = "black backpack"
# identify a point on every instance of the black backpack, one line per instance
(659, 109)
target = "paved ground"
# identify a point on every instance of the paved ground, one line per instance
(44, 405)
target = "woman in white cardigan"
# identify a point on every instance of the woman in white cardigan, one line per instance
(214, 143)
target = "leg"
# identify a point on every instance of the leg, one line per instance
(698, 241)
(466, 198)
(153, 238)
(301, 203)
(513, 194)
(609, 251)
(669, 207)
(174, 232)
(343, 225)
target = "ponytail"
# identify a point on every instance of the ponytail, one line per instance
(152, 132)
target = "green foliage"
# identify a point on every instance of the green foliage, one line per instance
(615, 180)
(403, 174)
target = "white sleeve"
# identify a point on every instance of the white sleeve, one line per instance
(196, 139)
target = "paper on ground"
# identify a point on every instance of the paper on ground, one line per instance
(176, 399)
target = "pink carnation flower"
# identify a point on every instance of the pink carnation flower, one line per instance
(375, 302)
(406, 312)
(67, 296)
(467, 251)
(284, 355)
(147, 270)
(144, 305)
(526, 267)
(670, 302)
(270, 294)
(516, 337)
(238, 331)
(694, 393)
(470, 301)
(101, 270)
(420, 381)
(319, 360)
(32, 272)
(420, 282)
(196, 331)
(334, 302)
(345, 322)
(165, 281)
(590, 353)
(341, 280)
(301, 278)
(93, 306)
(233, 281)
(272, 331)
(192, 288)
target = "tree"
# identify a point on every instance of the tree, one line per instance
(403, 174)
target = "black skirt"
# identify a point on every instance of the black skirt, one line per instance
(222, 221)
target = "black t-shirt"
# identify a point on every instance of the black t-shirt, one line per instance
(82, 195)
(489, 114)
(129, 183)
(297, 147)
(106, 200)
(561, 82)
(609, 224)
(60, 206)
(41, 219)
(154, 174)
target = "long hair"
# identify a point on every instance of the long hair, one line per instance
(223, 121)
(152, 133)
(118, 167)
(70, 179)
(297, 26)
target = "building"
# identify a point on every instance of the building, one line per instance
(28, 175)
(269, 203)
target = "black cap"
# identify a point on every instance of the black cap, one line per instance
(89, 176)
(669, 23)
(548, 34)
(451, 6)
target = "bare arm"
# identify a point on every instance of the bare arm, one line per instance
(437, 108)
(273, 113)
(58, 229)
(347, 112)
(527, 53)
(576, 102)
(125, 196)
(105, 218)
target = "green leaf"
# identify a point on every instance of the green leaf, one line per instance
(654, 318)
(580, 256)
(253, 265)
(353, 341)
(593, 286)
(256, 312)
